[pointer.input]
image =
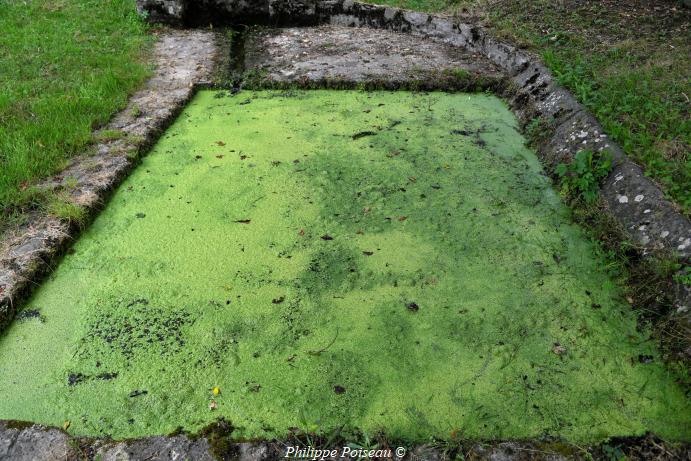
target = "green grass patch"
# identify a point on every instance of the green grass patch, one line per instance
(379, 262)
(65, 67)
(628, 64)
(421, 5)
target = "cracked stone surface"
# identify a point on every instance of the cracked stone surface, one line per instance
(36, 442)
(355, 55)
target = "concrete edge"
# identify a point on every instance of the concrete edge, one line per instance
(29, 442)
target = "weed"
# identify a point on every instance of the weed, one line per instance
(538, 130)
(136, 111)
(108, 135)
(581, 178)
(61, 207)
(613, 453)
(683, 276)
(71, 182)
(255, 78)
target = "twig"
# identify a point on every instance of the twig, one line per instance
(325, 348)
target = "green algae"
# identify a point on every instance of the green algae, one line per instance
(386, 262)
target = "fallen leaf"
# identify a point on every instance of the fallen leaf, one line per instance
(213, 405)
(412, 179)
(220, 143)
(366, 209)
(394, 153)
(302, 232)
(220, 156)
(402, 218)
(66, 425)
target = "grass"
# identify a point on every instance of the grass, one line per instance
(384, 263)
(627, 64)
(65, 67)
(431, 6)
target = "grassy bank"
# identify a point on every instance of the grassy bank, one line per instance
(65, 67)
(628, 63)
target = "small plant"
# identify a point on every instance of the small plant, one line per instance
(71, 182)
(136, 111)
(65, 210)
(538, 130)
(613, 453)
(255, 78)
(108, 135)
(581, 178)
(683, 276)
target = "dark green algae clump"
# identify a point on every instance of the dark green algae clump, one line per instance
(387, 262)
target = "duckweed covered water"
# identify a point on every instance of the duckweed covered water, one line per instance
(388, 262)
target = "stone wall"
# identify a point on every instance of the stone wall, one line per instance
(238, 12)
